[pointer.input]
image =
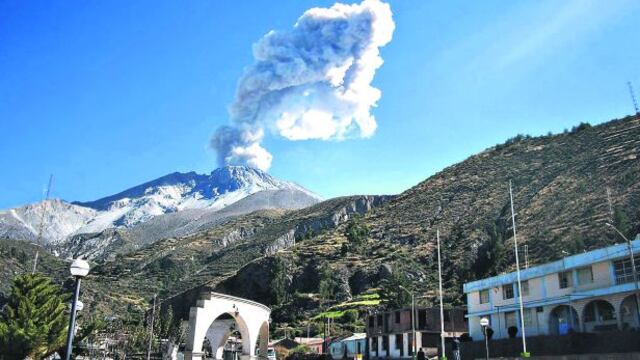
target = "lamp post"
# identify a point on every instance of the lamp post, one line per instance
(79, 269)
(484, 322)
(413, 320)
(633, 269)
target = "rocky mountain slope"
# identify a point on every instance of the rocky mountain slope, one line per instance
(566, 188)
(303, 262)
(176, 265)
(175, 202)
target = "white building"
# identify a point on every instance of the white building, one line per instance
(589, 292)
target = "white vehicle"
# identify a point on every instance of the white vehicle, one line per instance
(271, 354)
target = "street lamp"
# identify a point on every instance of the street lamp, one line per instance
(413, 320)
(633, 269)
(79, 269)
(79, 306)
(484, 322)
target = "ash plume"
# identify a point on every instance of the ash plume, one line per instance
(312, 82)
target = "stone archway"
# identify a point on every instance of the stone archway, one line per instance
(218, 334)
(629, 313)
(563, 319)
(251, 318)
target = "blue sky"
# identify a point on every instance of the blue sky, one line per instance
(107, 95)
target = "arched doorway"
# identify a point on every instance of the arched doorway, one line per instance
(563, 319)
(629, 313)
(599, 316)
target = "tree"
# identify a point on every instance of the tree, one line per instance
(328, 283)
(33, 324)
(622, 222)
(357, 231)
(280, 281)
(392, 289)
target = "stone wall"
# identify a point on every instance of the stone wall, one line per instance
(572, 344)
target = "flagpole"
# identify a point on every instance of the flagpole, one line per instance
(441, 303)
(515, 244)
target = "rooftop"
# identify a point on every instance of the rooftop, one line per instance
(570, 262)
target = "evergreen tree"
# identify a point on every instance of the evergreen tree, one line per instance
(33, 324)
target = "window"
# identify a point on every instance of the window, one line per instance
(410, 345)
(525, 287)
(372, 321)
(422, 319)
(585, 275)
(379, 320)
(385, 343)
(564, 279)
(374, 344)
(528, 316)
(507, 291)
(624, 273)
(399, 344)
(510, 319)
(484, 296)
(397, 317)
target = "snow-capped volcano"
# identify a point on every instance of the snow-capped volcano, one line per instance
(168, 194)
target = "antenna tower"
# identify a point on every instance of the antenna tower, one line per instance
(633, 98)
(42, 220)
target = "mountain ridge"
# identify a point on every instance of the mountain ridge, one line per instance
(169, 194)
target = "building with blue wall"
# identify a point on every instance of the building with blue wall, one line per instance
(348, 347)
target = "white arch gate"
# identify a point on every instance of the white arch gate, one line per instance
(252, 321)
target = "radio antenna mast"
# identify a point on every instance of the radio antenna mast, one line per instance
(42, 220)
(633, 98)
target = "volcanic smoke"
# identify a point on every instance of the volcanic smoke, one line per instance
(312, 82)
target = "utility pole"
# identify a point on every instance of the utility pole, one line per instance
(324, 337)
(633, 98)
(515, 244)
(413, 319)
(153, 316)
(41, 227)
(526, 256)
(441, 303)
(633, 268)
(413, 325)
(610, 205)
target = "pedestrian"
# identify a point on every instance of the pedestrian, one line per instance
(421, 354)
(456, 349)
